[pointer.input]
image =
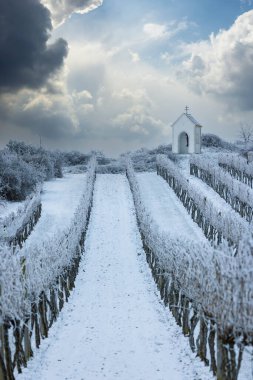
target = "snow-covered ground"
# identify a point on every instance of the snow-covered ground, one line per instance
(114, 325)
(166, 209)
(206, 190)
(6, 208)
(59, 199)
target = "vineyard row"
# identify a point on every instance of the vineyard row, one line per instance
(235, 193)
(238, 167)
(35, 283)
(216, 225)
(216, 282)
(16, 227)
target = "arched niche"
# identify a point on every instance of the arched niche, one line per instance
(183, 143)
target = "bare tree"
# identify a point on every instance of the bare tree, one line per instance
(246, 134)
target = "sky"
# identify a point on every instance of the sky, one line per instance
(112, 75)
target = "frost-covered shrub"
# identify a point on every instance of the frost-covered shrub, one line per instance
(104, 160)
(110, 165)
(114, 168)
(75, 158)
(17, 178)
(145, 159)
(13, 302)
(47, 164)
(162, 149)
(212, 141)
(220, 283)
(23, 166)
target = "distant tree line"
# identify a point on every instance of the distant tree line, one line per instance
(23, 166)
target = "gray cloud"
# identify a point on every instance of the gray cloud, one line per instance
(42, 113)
(51, 126)
(26, 60)
(137, 124)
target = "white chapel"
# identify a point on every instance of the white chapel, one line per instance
(186, 134)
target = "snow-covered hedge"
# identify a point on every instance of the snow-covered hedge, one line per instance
(36, 268)
(236, 193)
(18, 179)
(19, 223)
(216, 225)
(220, 283)
(238, 167)
(45, 164)
(12, 288)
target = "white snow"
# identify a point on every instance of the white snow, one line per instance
(166, 209)
(59, 200)
(211, 194)
(114, 325)
(7, 207)
(206, 190)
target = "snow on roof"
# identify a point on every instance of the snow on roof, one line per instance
(194, 121)
(190, 117)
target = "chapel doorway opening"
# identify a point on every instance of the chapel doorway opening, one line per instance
(183, 143)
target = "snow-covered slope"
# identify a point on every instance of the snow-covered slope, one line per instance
(184, 164)
(114, 326)
(59, 199)
(166, 209)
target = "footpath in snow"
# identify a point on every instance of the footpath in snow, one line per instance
(114, 325)
(166, 209)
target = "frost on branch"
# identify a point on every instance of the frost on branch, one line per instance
(18, 179)
(12, 288)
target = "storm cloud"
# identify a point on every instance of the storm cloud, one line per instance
(49, 115)
(26, 59)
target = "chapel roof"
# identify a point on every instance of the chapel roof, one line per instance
(190, 117)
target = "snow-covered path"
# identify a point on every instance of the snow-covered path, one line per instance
(166, 209)
(114, 325)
